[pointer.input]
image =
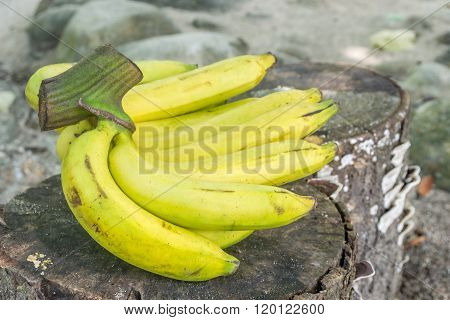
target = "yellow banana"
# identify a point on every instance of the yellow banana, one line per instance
(125, 229)
(145, 130)
(194, 117)
(276, 169)
(224, 239)
(273, 163)
(69, 134)
(151, 69)
(199, 204)
(196, 89)
(295, 121)
(157, 130)
(241, 112)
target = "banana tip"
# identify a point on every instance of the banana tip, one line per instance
(273, 61)
(332, 146)
(234, 266)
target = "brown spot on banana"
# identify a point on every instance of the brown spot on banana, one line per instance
(74, 198)
(196, 272)
(279, 210)
(215, 190)
(282, 191)
(87, 163)
(96, 228)
(166, 225)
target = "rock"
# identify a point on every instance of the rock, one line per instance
(205, 24)
(417, 24)
(396, 68)
(6, 100)
(444, 38)
(194, 47)
(8, 131)
(430, 140)
(99, 22)
(46, 4)
(53, 21)
(290, 53)
(8, 128)
(194, 4)
(393, 40)
(428, 80)
(444, 58)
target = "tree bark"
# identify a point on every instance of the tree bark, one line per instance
(369, 174)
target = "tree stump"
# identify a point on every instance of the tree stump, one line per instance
(45, 254)
(368, 174)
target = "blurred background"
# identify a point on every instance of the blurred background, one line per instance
(204, 31)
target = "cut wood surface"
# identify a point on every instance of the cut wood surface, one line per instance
(45, 254)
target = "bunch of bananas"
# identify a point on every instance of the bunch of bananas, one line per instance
(193, 178)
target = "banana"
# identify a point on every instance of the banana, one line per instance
(294, 121)
(196, 89)
(287, 160)
(199, 204)
(151, 69)
(150, 130)
(224, 239)
(194, 117)
(276, 169)
(158, 130)
(69, 134)
(274, 163)
(124, 228)
(241, 112)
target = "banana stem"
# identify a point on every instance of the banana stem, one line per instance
(96, 85)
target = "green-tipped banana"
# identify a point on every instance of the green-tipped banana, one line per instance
(196, 89)
(273, 163)
(295, 121)
(199, 204)
(151, 69)
(172, 131)
(240, 112)
(300, 160)
(124, 228)
(224, 239)
(161, 126)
